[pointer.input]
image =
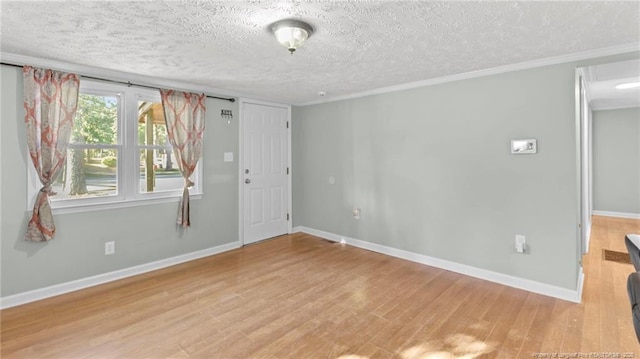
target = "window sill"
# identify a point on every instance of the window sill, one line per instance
(119, 204)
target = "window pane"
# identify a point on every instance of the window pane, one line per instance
(158, 171)
(152, 129)
(96, 120)
(87, 173)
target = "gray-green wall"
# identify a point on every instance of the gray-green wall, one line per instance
(616, 161)
(431, 170)
(142, 234)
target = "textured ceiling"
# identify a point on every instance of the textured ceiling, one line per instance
(357, 45)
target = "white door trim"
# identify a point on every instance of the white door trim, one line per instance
(290, 178)
(241, 103)
(584, 159)
(578, 153)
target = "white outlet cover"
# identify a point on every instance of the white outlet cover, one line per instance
(109, 248)
(521, 243)
(228, 156)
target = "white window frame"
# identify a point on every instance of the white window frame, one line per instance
(128, 162)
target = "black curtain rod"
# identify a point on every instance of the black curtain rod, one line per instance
(230, 99)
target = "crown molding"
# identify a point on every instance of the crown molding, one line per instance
(608, 51)
(185, 86)
(114, 75)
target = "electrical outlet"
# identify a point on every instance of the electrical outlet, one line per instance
(343, 241)
(521, 243)
(356, 213)
(109, 248)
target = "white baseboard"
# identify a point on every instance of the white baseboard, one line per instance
(580, 286)
(588, 239)
(617, 214)
(51, 291)
(500, 278)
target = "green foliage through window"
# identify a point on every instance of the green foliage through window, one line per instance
(96, 120)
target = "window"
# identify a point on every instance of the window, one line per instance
(91, 169)
(119, 153)
(158, 168)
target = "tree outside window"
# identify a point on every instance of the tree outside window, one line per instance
(91, 168)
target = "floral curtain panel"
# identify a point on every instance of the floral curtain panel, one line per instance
(50, 102)
(184, 114)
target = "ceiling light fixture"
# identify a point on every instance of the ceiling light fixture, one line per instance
(628, 85)
(291, 33)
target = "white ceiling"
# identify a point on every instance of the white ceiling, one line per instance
(603, 79)
(357, 46)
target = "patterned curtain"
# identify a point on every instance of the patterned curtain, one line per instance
(50, 102)
(184, 114)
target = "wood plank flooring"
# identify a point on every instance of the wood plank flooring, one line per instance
(299, 296)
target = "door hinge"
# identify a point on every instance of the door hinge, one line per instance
(287, 170)
(287, 124)
(287, 216)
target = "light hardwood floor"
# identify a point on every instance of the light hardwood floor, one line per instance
(298, 296)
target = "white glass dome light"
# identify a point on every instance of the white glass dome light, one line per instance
(291, 33)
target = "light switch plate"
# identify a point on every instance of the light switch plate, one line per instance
(524, 146)
(228, 156)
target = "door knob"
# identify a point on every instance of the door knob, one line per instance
(247, 181)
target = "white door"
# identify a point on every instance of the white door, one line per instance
(265, 171)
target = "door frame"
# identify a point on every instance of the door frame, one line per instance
(587, 161)
(583, 147)
(584, 160)
(241, 218)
